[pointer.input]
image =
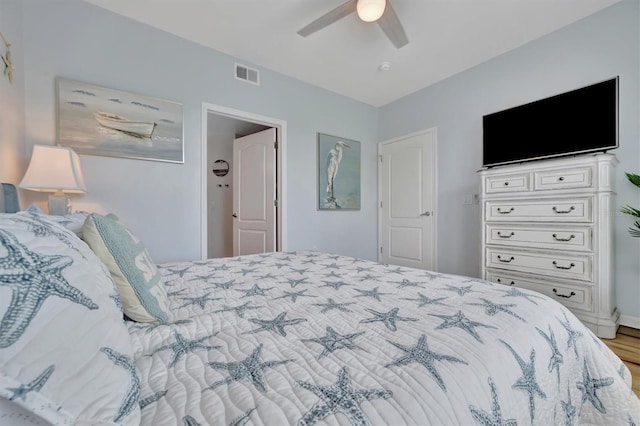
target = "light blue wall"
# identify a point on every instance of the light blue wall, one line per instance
(161, 201)
(72, 39)
(594, 49)
(12, 152)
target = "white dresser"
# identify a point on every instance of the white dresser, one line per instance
(547, 226)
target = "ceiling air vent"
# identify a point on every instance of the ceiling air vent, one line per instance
(247, 74)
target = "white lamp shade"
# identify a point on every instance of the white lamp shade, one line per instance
(54, 169)
(370, 10)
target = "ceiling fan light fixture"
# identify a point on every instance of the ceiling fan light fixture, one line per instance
(370, 10)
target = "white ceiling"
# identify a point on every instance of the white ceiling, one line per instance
(445, 37)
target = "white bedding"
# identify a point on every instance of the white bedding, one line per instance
(311, 338)
(65, 354)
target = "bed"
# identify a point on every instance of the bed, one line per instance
(288, 338)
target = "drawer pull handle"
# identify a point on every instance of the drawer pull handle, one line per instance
(564, 295)
(500, 282)
(563, 267)
(555, 209)
(561, 178)
(506, 261)
(506, 211)
(506, 184)
(506, 236)
(571, 237)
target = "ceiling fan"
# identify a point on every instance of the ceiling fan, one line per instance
(367, 10)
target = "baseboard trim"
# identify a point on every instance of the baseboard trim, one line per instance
(629, 321)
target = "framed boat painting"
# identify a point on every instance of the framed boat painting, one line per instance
(96, 120)
(338, 173)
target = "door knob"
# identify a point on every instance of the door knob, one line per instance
(234, 215)
(425, 214)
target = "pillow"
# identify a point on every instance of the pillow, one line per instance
(72, 221)
(65, 353)
(137, 279)
(9, 198)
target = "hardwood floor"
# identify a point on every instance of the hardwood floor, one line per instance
(627, 346)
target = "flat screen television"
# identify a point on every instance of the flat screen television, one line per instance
(580, 121)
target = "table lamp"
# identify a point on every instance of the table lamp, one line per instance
(54, 169)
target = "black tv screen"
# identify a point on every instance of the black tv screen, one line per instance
(580, 121)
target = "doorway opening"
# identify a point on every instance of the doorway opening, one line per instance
(231, 186)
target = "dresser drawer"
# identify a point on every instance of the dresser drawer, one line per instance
(545, 210)
(507, 183)
(576, 238)
(579, 177)
(571, 296)
(559, 265)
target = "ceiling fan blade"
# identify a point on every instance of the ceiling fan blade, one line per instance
(392, 27)
(329, 18)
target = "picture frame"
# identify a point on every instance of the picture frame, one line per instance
(338, 173)
(96, 120)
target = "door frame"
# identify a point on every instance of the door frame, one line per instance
(281, 169)
(434, 131)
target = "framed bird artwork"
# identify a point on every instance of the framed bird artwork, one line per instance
(338, 173)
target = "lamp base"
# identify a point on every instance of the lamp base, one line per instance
(59, 205)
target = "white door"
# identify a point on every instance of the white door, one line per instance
(254, 193)
(407, 201)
